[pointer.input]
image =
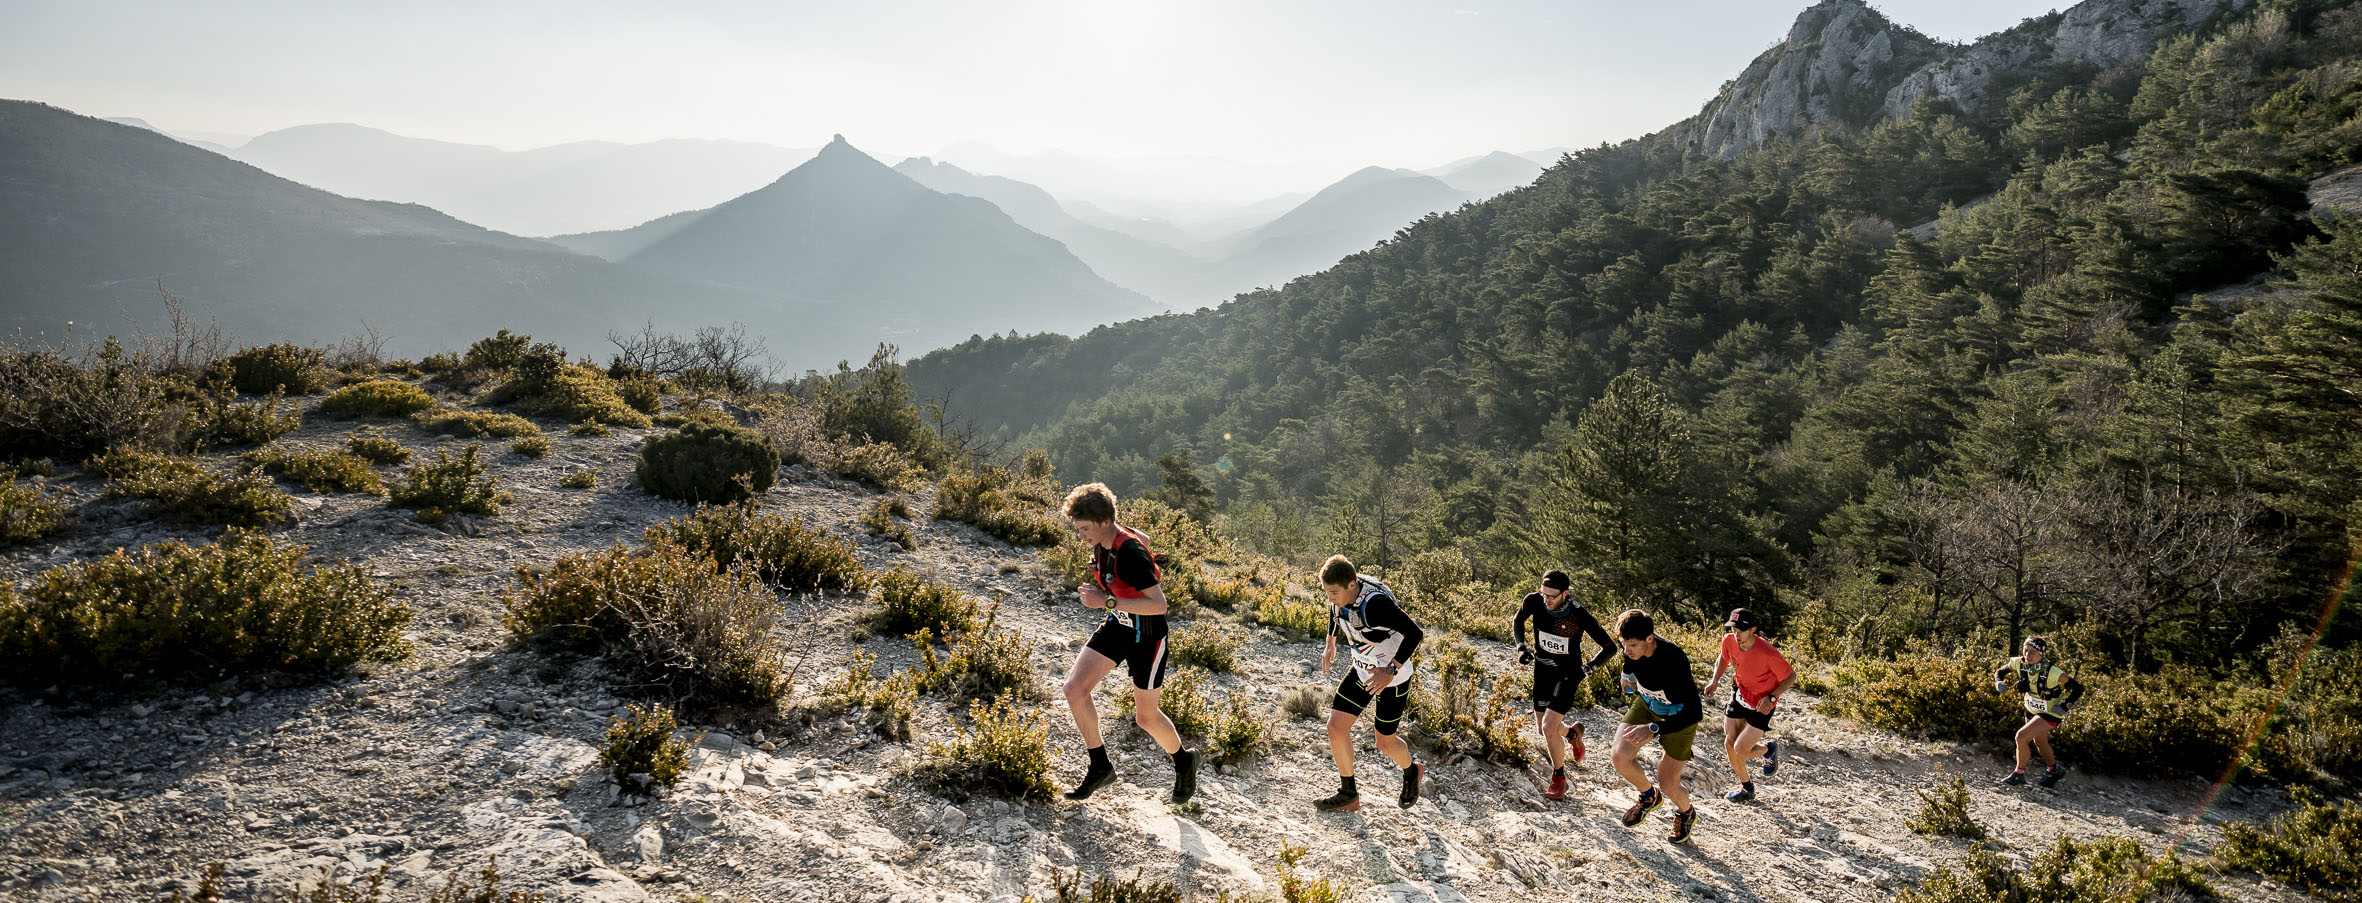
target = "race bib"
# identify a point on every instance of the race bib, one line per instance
(1367, 659)
(1553, 643)
(2037, 704)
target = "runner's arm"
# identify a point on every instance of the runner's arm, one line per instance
(1598, 634)
(2074, 690)
(1391, 616)
(1153, 604)
(1525, 612)
(1716, 680)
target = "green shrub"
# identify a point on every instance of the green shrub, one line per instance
(590, 428)
(376, 449)
(1069, 888)
(318, 471)
(908, 603)
(1005, 752)
(1945, 812)
(474, 423)
(499, 351)
(668, 420)
(1226, 722)
(1295, 887)
(531, 447)
(890, 704)
(641, 752)
(1237, 732)
(705, 462)
(1211, 645)
(377, 398)
(181, 488)
(644, 393)
(2210, 721)
(280, 367)
(175, 611)
(52, 405)
(1926, 693)
(214, 419)
(1305, 703)
(1464, 709)
(27, 512)
(580, 479)
(983, 663)
(2316, 846)
(880, 522)
(446, 486)
(2105, 870)
(570, 392)
(880, 465)
(664, 614)
(784, 552)
(999, 502)
(1298, 618)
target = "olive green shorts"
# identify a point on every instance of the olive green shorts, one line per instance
(1676, 744)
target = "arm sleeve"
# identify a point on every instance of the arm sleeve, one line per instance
(1132, 565)
(1387, 613)
(1525, 612)
(2074, 690)
(1598, 634)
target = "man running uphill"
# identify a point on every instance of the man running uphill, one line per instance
(1759, 676)
(1560, 623)
(1366, 615)
(1123, 581)
(2042, 684)
(1667, 710)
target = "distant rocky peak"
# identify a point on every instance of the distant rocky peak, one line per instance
(1843, 62)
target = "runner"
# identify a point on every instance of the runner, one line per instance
(1759, 676)
(1123, 581)
(2041, 683)
(1560, 623)
(1667, 710)
(1367, 616)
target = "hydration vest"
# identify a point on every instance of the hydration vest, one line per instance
(1373, 647)
(1104, 575)
(2041, 683)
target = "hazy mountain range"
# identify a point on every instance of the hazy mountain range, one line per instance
(828, 260)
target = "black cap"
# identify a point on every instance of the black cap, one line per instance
(1741, 619)
(1556, 580)
(2039, 644)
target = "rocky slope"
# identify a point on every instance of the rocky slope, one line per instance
(1844, 62)
(471, 749)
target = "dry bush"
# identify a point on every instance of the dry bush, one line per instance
(642, 753)
(1211, 645)
(1462, 708)
(890, 704)
(708, 462)
(881, 465)
(318, 471)
(72, 406)
(474, 423)
(530, 447)
(184, 489)
(998, 501)
(663, 613)
(377, 398)
(178, 612)
(1003, 752)
(983, 663)
(908, 603)
(376, 449)
(27, 511)
(446, 486)
(280, 367)
(784, 552)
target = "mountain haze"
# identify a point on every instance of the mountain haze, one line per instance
(846, 230)
(99, 211)
(1351, 215)
(1488, 175)
(579, 187)
(1160, 271)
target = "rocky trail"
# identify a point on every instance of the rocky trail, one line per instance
(470, 749)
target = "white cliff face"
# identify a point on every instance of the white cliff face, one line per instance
(1844, 62)
(2103, 33)
(1837, 52)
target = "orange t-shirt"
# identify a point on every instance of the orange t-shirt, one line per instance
(1754, 672)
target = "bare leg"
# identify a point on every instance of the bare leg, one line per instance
(1341, 742)
(1089, 668)
(1629, 739)
(1395, 749)
(1742, 741)
(1152, 719)
(2037, 731)
(1669, 782)
(1554, 737)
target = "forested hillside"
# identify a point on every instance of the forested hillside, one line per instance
(2086, 361)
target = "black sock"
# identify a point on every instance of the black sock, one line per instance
(1177, 754)
(1099, 758)
(1750, 785)
(1346, 784)
(1558, 772)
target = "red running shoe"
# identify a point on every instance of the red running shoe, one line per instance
(1557, 789)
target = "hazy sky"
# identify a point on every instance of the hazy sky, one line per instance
(1267, 81)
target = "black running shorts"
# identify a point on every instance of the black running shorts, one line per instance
(1126, 644)
(1554, 686)
(1759, 720)
(1353, 696)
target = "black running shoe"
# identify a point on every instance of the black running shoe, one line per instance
(1098, 776)
(2051, 777)
(1184, 776)
(1771, 758)
(1410, 783)
(1681, 823)
(1639, 810)
(1344, 801)
(2015, 779)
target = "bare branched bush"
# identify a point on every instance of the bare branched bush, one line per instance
(72, 404)
(716, 358)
